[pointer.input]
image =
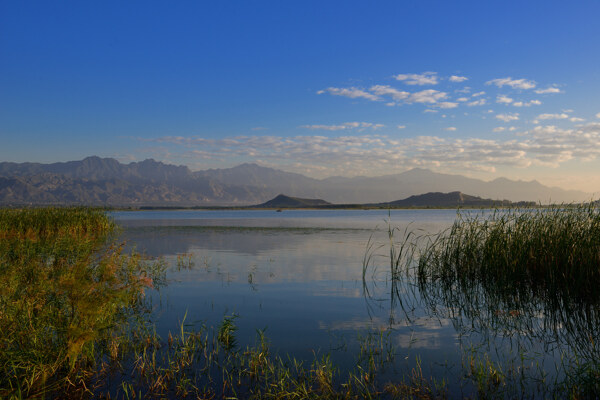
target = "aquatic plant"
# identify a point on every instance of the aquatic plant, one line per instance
(551, 251)
(62, 291)
(525, 277)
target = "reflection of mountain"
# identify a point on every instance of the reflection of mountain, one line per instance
(105, 181)
(158, 241)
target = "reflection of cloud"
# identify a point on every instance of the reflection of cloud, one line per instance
(338, 292)
(420, 340)
(355, 324)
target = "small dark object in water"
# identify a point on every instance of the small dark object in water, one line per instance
(278, 210)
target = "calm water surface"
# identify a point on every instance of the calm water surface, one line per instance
(298, 274)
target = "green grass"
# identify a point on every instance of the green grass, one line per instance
(550, 251)
(63, 289)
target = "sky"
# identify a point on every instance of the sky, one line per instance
(484, 89)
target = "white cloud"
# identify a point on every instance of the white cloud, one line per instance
(447, 104)
(455, 78)
(429, 110)
(352, 92)
(466, 89)
(503, 99)
(598, 115)
(478, 94)
(513, 83)
(427, 96)
(462, 99)
(552, 116)
(346, 125)
(527, 104)
(479, 102)
(401, 126)
(385, 90)
(576, 119)
(451, 128)
(508, 117)
(499, 129)
(426, 78)
(548, 90)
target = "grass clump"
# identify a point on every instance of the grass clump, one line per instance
(551, 251)
(63, 290)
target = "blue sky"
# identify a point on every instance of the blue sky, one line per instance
(479, 88)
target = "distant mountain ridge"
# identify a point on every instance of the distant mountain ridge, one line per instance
(105, 181)
(427, 200)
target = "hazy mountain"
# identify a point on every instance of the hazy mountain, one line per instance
(105, 181)
(265, 178)
(391, 187)
(96, 180)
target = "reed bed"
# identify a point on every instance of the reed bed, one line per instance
(63, 289)
(551, 251)
(521, 277)
(527, 274)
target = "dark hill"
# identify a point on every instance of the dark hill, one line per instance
(453, 199)
(283, 201)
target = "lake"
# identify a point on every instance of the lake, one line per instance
(298, 275)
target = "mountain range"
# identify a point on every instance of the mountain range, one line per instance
(105, 181)
(427, 200)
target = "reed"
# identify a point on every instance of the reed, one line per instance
(531, 274)
(522, 276)
(551, 251)
(63, 289)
